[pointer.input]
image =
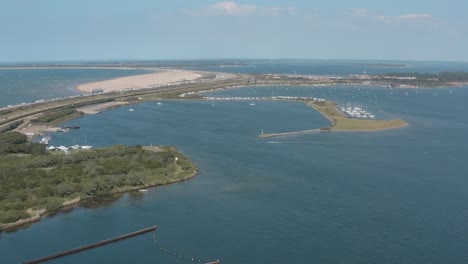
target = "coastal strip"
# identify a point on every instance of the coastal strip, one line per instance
(20, 116)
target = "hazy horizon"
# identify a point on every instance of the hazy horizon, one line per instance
(124, 60)
(51, 30)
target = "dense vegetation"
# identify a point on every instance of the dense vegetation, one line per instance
(55, 115)
(17, 143)
(33, 178)
(11, 126)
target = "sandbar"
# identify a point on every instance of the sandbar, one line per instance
(162, 77)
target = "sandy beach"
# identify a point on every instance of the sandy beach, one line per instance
(97, 108)
(162, 77)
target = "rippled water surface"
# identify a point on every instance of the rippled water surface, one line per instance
(396, 196)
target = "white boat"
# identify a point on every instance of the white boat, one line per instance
(86, 146)
(131, 110)
(251, 104)
(51, 148)
(45, 140)
(62, 148)
(159, 103)
(143, 190)
(75, 147)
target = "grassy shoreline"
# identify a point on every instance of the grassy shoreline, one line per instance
(341, 123)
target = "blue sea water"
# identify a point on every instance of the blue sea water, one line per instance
(395, 196)
(28, 85)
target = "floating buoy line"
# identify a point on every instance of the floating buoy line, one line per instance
(176, 254)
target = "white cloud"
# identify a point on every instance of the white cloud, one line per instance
(415, 17)
(412, 19)
(406, 18)
(231, 8)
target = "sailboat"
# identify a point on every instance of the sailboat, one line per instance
(75, 146)
(85, 146)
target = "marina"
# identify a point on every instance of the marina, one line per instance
(356, 111)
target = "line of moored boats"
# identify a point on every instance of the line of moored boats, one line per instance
(65, 148)
(47, 139)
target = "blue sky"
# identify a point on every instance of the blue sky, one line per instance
(57, 30)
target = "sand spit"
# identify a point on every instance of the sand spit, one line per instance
(162, 77)
(97, 108)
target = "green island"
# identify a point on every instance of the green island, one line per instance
(340, 122)
(35, 182)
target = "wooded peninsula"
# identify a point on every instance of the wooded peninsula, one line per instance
(35, 181)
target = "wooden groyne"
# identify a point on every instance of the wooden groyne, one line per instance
(94, 245)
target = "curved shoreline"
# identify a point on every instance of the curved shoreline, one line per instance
(399, 123)
(74, 202)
